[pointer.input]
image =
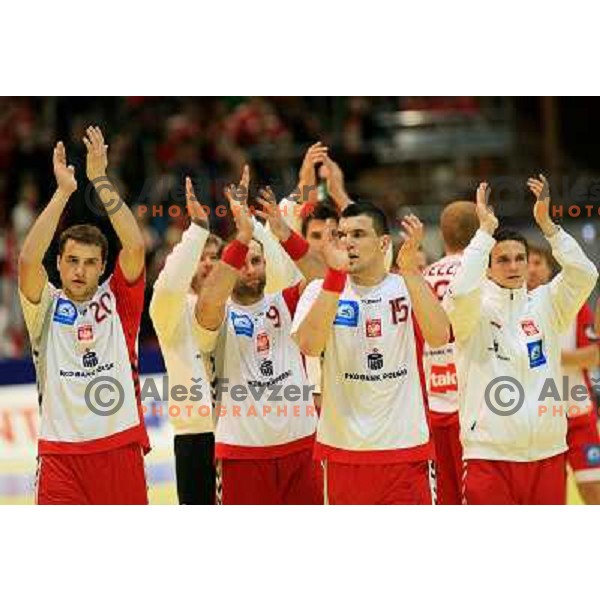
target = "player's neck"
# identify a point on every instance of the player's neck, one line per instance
(369, 277)
(247, 299)
(79, 299)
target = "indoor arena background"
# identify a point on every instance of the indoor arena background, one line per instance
(403, 153)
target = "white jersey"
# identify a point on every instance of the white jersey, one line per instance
(173, 314)
(85, 352)
(264, 401)
(439, 363)
(373, 408)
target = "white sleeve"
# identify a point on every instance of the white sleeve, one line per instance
(462, 302)
(173, 283)
(282, 273)
(571, 287)
(35, 314)
(290, 211)
(206, 340)
(308, 298)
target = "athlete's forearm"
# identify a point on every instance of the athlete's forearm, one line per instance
(32, 275)
(428, 311)
(218, 286)
(584, 358)
(122, 219)
(314, 331)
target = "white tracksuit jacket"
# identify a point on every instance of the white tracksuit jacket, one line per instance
(503, 332)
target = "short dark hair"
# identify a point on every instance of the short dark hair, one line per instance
(546, 254)
(84, 234)
(507, 235)
(357, 209)
(320, 212)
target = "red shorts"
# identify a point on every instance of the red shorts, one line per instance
(508, 482)
(583, 454)
(289, 479)
(397, 483)
(445, 430)
(112, 477)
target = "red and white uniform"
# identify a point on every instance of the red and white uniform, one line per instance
(442, 394)
(373, 410)
(75, 344)
(266, 417)
(505, 336)
(583, 438)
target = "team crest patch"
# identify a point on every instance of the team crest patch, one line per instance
(529, 327)
(85, 333)
(536, 354)
(242, 325)
(592, 455)
(65, 312)
(375, 360)
(373, 327)
(347, 313)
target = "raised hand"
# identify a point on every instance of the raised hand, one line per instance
(65, 175)
(97, 153)
(238, 203)
(541, 209)
(307, 182)
(487, 219)
(334, 179)
(408, 259)
(195, 209)
(272, 213)
(335, 255)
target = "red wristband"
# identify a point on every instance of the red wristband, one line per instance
(235, 254)
(296, 246)
(335, 281)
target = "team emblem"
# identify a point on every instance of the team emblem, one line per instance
(375, 360)
(373, 327)
(90, 359)
(529, 327)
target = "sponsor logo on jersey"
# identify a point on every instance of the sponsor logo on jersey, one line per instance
(347, 313)
(242, 325)
(263, 345)
(373, 327)
(592, 455)
(65, 312)
(90, 360)
(529, 327)
(266, 368)
(536, 354)
(85, 333)
(375, 360)
(443, 379)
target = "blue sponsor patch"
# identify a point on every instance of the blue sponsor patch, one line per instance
(242, 325)
(347, 313)
(592, 455)
(65, 312)
(536, 354)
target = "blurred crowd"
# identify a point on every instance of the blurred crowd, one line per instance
(153, 144)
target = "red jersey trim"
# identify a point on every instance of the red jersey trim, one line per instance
(443, 419)
(374, 457)
(258, 452)
(135, 434)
